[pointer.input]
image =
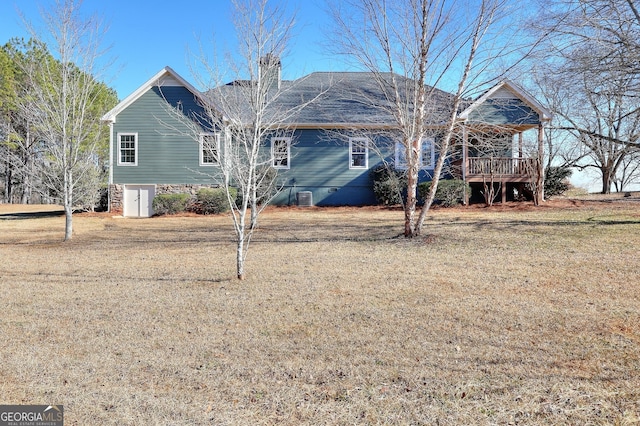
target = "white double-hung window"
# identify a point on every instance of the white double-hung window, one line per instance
(358, 153)
(426, 155)
(281, 153)
(209, 149)
(127, 149)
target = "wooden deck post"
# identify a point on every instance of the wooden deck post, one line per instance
(465, 159)
(503, 188)
(540, 165)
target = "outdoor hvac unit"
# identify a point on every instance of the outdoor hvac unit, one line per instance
(305, 198)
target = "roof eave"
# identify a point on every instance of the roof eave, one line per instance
(347, 126)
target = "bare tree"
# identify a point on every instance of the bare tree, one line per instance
(17, 143)
(7, 106)
(600, 113)
(628, 172)
(591, 80)
(63, 101)
(253, 125)
(411, 47)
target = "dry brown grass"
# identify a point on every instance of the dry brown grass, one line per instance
(510, 315)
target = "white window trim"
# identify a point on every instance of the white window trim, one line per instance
(201, 149)
(135, 148)
(401, 164)
(273, 158)
(432, 155)
(366, 153)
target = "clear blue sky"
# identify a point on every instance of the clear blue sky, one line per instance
(145, 36)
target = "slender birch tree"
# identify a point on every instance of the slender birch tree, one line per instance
(254, 127)
(63, 99)
(411, 47)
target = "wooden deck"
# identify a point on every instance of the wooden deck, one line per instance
(500, 169)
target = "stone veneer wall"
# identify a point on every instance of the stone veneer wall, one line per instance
(116, 193)
(116, 201)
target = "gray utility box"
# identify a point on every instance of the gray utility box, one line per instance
(305, 198)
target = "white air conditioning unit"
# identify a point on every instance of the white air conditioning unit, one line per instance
(305, 198)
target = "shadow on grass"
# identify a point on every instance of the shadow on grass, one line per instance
(592, 221)
(30, 215)
(90, 278)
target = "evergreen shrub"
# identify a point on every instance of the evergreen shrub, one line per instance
(450, 192)
(170, 203)
(555, 180)
(212, 200)
(388, 184)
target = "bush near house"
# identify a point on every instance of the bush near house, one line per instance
(450, 192)
(170, 203)
(212, 201)
(206, 201)
(388, 184)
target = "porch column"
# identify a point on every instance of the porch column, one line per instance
(539, 164)
(520, 150)
(503, 189)
(465, 159)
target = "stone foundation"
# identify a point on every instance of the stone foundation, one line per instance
(116, 193)
(116, 202)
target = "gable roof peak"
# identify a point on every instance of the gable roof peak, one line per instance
(517, 91)
(165, 77)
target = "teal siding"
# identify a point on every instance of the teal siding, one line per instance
(317, 164)
(164, 155)
(321, 165)
(504, 112)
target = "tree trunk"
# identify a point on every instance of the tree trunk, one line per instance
(606, 179)
(68, 223)
(412, 154)
(26, 181)
(241, 229)
(410, 206)
(538, 195)
(8, 187)
(240, 258)
(68, 205)
(28, 164)
(409, 217)
(437, 172)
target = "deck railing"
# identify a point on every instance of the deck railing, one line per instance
(500, 166)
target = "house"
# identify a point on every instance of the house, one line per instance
(335, 143)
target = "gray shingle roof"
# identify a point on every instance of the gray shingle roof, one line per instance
(333, 98)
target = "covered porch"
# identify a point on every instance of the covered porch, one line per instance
(503, 164)
(495, 150)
